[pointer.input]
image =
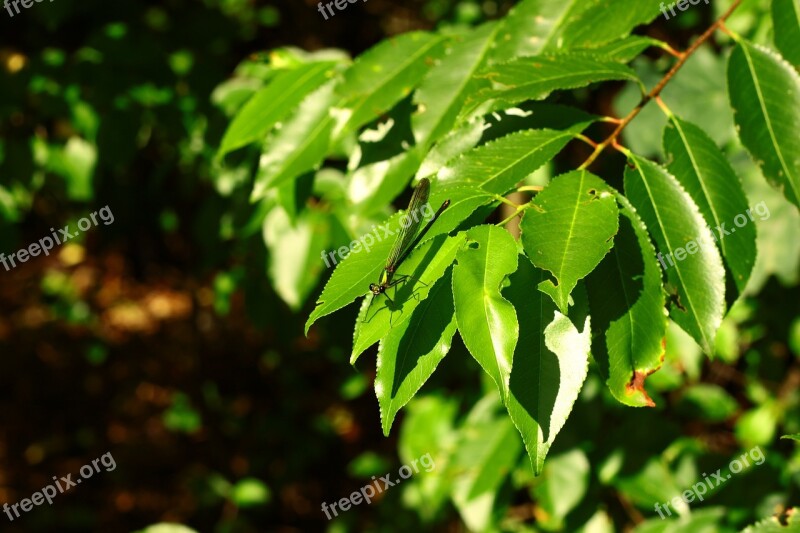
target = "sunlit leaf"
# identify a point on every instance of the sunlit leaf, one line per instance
(705, 173)
(685, 247)
(487, 321)
(568, 230)
(409, 354)
(765, 96)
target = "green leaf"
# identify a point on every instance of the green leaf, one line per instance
(765, 96)
(250, 492)
(361, 266)
(294, 253)
(602, 21)
(702, 169)
(533, 26)
(794, 437)
(445, 87)
(551, 360)
(708, 402)
(379, 316)
(300, 145)
(536, 26)
(495, 167)
(786, 21)
(485, 455)
(383, 75)
(272, 103)
(76, 162)
(675, 223)
(409, 354)
(565, 480)
(627, 306)
(487, 321)
(534, 78)
(568, 230)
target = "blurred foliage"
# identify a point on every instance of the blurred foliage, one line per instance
(174, 339)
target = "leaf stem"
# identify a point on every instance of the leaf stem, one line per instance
(519, 210)
(656, 91)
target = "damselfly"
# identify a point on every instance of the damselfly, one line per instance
(406, 240)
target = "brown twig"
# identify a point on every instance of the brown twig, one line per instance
(683, 57)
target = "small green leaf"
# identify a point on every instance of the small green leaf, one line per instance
(794, 436)
(627, 306)
(409, 354)
(550, 364)
(272, 103)
(765, 96)
(250, 492)
(786, 21)
(705, 173)
(294, 252)
(487, 321)
(568, 230)
(695, 274)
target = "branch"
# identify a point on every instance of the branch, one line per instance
(683, 57)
